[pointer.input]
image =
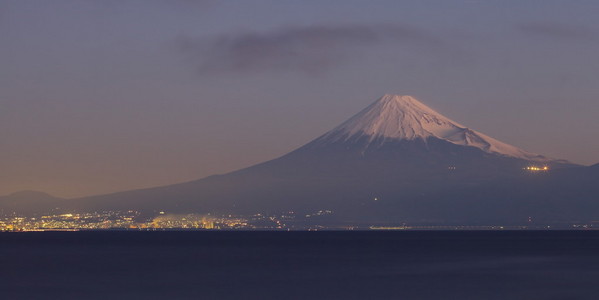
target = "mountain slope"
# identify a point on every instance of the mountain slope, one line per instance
(397, 160)
(397, 149)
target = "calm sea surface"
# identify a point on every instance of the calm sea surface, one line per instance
(300, 265)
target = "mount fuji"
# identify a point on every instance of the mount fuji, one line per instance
(396, 117)
(397, 160)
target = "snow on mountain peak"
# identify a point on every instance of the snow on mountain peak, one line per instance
(402, 117)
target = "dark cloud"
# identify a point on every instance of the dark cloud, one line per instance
(557, 31)
(308, 49)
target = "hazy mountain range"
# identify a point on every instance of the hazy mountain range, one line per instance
(397, 160)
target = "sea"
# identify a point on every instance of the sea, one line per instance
(300, 265)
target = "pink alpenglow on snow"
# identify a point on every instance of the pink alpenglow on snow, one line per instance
(401, 117)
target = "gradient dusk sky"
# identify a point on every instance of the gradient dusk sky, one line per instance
(105, 96)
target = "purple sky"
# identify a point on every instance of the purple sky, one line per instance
(104, 96)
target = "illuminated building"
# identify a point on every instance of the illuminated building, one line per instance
(537, 169)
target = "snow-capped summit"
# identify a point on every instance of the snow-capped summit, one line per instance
(400, 117)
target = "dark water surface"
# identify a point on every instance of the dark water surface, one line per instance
(300, 265)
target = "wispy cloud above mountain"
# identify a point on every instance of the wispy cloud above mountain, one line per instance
(311, 49)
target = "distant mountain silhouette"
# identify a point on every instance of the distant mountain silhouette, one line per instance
(29, 202)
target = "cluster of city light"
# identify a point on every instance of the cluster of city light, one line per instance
(195, 221)
(133, 220)
(325, 212)
(69, 221)
(536, 169)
